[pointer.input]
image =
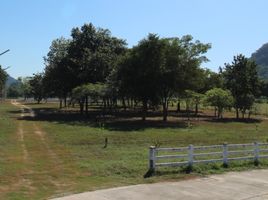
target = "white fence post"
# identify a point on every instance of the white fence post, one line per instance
(152, 158)
(190, 155)
(225, 154)
(256, 152)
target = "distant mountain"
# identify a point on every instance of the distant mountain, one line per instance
(261, 58)
(10, 80)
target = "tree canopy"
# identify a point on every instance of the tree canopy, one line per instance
(242, 80)
(94, 66)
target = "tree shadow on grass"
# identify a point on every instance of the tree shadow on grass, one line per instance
(132, 125)
(230, 120)
(129, 120)
(164, 172)
(112, 121)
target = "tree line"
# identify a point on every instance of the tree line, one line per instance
(94, 66)
(3, 79)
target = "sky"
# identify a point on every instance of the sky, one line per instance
(231, 26)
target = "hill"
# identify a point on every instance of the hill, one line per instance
(10, 80)
(261, 58)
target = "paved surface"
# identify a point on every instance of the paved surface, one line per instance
(249, 185)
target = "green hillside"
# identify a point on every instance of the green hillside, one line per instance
(261, 58)
(10, 80)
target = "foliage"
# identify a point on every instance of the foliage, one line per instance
(157, 69)
(220, 99)
(25, 87)
(36, 84)
(138, 71)
(242, 80)
(151, 74)
(3, 78)
(91, 90)
(58, 76)
(14, 90)
(193, 98)
(208, 80)
(92, 53)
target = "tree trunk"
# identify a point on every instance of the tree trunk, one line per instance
(196, 109)
(243, 113)
(187, 110)
(220, 111)
(60, 103)
(237, 113)
(179, 106)
(65, 102)
(144, 110)
(104, 103)
(165, 110)
(131, 103)
(128, 103)
(249, 113)
(124, 104)
(86, 102)
(81, 104)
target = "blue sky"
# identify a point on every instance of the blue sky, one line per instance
(231, 26)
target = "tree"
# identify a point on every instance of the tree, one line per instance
(209, 80)
(25, 87)
(264, 89)
(83, 93)
(242, 80)
(3, 78)
(36, 83)
(157, 69)
(92, 53)
(179, 68)
(58, 77)
(138, 71)
(14, 90)
(220, 99)
(195, 98)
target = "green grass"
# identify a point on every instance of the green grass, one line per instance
(85, 165)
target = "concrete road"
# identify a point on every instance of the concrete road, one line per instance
(249, 185)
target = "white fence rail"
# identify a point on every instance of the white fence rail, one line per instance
(206, 154)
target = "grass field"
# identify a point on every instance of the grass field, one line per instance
(55, 154)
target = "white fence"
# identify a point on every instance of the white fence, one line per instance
(206, 154)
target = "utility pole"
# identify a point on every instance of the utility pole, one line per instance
(4, 52)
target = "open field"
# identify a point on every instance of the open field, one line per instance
(57, 153)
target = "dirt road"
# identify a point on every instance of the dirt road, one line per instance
(40, 171)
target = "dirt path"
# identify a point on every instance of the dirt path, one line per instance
(28, 112)
(40, 168)
(20, 134)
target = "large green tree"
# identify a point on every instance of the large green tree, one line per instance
(242, 80)
(158, 68)
(14, 90)
(3, 78)
(24, 87)
(220, 99)
(179, 68)
(37, 89)
(58, 76)
(138, 71)
(92, 53)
